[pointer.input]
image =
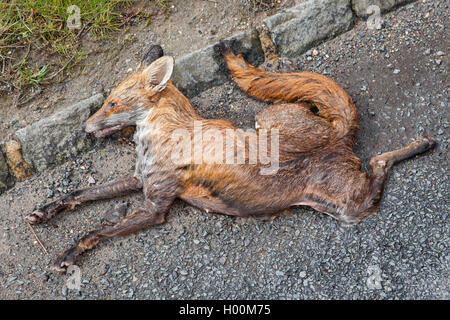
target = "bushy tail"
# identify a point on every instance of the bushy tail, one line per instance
(331, 99)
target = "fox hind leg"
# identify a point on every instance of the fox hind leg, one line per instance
(357, 210)
(300, 130)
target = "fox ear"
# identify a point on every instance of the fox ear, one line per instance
(156, 75)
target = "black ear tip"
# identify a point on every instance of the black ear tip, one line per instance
(153, 53)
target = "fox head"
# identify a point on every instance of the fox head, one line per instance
(134, 96)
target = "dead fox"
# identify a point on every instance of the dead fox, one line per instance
(315, 121)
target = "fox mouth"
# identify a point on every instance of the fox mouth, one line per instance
(107, 131)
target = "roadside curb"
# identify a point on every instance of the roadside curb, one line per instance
(204, 69)
(295, 30)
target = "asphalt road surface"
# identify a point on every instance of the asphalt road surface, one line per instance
(398, 79)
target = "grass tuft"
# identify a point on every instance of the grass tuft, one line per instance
(43, 25)
(31, 75)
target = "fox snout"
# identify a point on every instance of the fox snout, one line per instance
(92, 126)
(102, 132)
(102, 126)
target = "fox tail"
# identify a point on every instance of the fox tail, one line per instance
(332, 101)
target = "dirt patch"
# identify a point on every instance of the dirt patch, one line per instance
(190, 25)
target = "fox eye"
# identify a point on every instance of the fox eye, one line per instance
(112, 105)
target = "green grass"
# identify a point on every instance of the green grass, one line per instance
(47, 19)
(31, 75)
(42, 25)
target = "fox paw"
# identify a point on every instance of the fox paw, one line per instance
(65, 260)
(427, 142)
(52, 209)
(45, 213)
(36, 217)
